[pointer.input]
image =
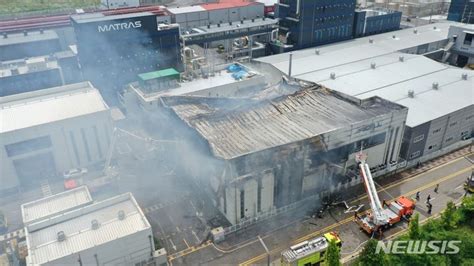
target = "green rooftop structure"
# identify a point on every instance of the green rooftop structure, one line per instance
(168, 73)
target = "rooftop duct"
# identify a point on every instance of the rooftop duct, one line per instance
(464, 76)
(373, 65)
(317, 51)
(371, 40)
(401, 58)
(435, 85)
(121, 215)
(415, 31)
(94, 224)
(333, 75)
(411, 93)
(61, 236)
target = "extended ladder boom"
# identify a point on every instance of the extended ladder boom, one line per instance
(379, 216)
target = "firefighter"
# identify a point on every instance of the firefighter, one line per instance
(428, 199)
(436, 188)
(417, 196)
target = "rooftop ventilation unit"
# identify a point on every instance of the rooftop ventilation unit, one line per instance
(61, 236)
(121, 215)
(435, 85)
(394, 36)
(411, 93)
(434, 28)
(333, 75)
(25, 33)
(373, 65)
(415, 31)
(401, 58)
(317, 51)
(371, 40)
(94, 224)
(464, 76)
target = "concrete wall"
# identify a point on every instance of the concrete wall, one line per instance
(62, 148)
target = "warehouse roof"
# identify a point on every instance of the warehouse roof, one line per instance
(49, 105)
(186, 9)
(42, 237)
(237, 127)
(363, 69)
(34, 36)
(227, 4)
(95, 17)
(49, 206)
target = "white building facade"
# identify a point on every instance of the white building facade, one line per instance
(46, 132)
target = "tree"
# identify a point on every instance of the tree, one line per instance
(333, 254)
(414, 231)
(368, 256)
(450, 217)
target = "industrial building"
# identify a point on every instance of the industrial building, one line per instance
(28, 44)
(306, 23)
(146, 93)
(113, 49)
(68, 228)
(393, 66)
(267, 154)
(46, 132)
(462, 51)
(374, 21)
(189, 17)
(461, 11)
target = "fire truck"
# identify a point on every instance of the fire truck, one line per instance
(381, 216)
(310, 252)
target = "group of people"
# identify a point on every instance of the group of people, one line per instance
(428, 199)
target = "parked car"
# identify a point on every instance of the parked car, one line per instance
(74, 172)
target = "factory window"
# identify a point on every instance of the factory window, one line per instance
(242, 204)
(415, 154)
(436, 130)
(418, 138)
(27, 146)
(453, 124)
(468, 39)
(86, 144)
(74, 147)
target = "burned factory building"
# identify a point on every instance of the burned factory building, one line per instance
(268, 154)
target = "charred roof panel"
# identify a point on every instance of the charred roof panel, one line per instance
(237, 127)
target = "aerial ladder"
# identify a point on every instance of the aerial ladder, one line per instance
(381, 216)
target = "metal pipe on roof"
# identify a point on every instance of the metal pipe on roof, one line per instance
(289, 65)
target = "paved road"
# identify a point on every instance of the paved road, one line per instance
(450, 177)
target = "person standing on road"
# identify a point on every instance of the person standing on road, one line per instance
(436, 188)
(428, 199)
(417, 197)
(430, 206)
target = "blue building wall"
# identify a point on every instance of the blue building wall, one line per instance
(308, 23)
(365, 25)
(461, 11)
